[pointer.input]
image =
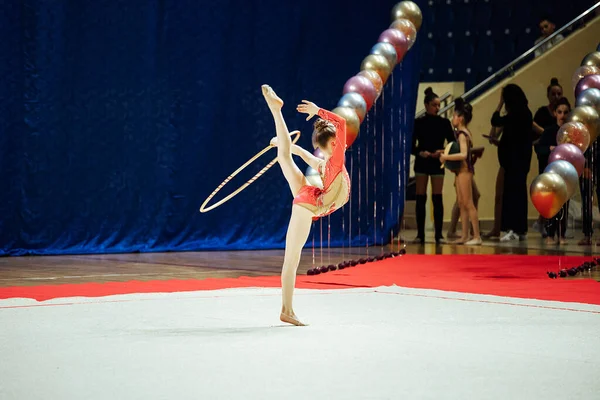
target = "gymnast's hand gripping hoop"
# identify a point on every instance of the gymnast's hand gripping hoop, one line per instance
(204, 208)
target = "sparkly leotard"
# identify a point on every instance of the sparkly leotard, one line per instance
(336, 182)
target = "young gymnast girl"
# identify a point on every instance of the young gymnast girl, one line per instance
(310, 202)
(463, 113)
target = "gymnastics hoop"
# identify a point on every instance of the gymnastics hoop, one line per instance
(204, 208)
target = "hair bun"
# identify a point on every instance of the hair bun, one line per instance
(463, 108)
(428, 91)
(554, 82)
(321, 124)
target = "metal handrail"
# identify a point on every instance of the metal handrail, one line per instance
(521, 57)
(443, 98)
(445, 114)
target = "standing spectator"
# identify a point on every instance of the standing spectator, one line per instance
(430, 134)
(495, 134)
(547, 28)
(545, 118)
(587, 182)
(514, 154)
(557, 225)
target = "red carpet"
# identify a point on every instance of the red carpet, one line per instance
(511, 276)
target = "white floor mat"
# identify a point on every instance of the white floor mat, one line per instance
(388, 343)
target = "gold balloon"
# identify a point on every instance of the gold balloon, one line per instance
(410, 11)
(352, 123)
(575, 133)
(592, 59)
(589, 117)
(374, 78)
(406, 27)
(379, 64)
(548, 194)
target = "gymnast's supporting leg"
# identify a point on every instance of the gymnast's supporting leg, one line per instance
(454, 221)
(456, 212)
(297, 234)
(468, 212)
(301, 220)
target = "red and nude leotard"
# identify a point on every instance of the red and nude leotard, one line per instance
(336, 182)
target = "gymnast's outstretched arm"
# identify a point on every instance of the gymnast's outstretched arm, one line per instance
(308, 158)
(337, 158)
(339, 150)
(306, 155)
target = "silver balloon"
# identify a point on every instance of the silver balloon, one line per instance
(356, 102)
(313, 177)
(567, 171)
(589, 97)
(387, 50)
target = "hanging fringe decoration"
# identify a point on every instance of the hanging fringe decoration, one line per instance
(360, 94)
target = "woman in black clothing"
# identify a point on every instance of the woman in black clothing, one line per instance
(496, 231)
(514, 155)
(544, 116)
(430, 134)
(588, 184)
(557, 225)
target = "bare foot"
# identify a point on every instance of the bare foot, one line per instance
(474, 242)
(290, 319)
(272, 99)
(461, 241)
(563, 241)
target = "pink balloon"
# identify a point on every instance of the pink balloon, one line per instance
(568, 152)
(397, 39)
(587, 82)
(362, 86)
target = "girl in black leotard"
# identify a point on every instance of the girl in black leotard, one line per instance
(430, 134)
(463, 113)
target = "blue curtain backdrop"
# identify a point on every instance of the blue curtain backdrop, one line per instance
(118, 118)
